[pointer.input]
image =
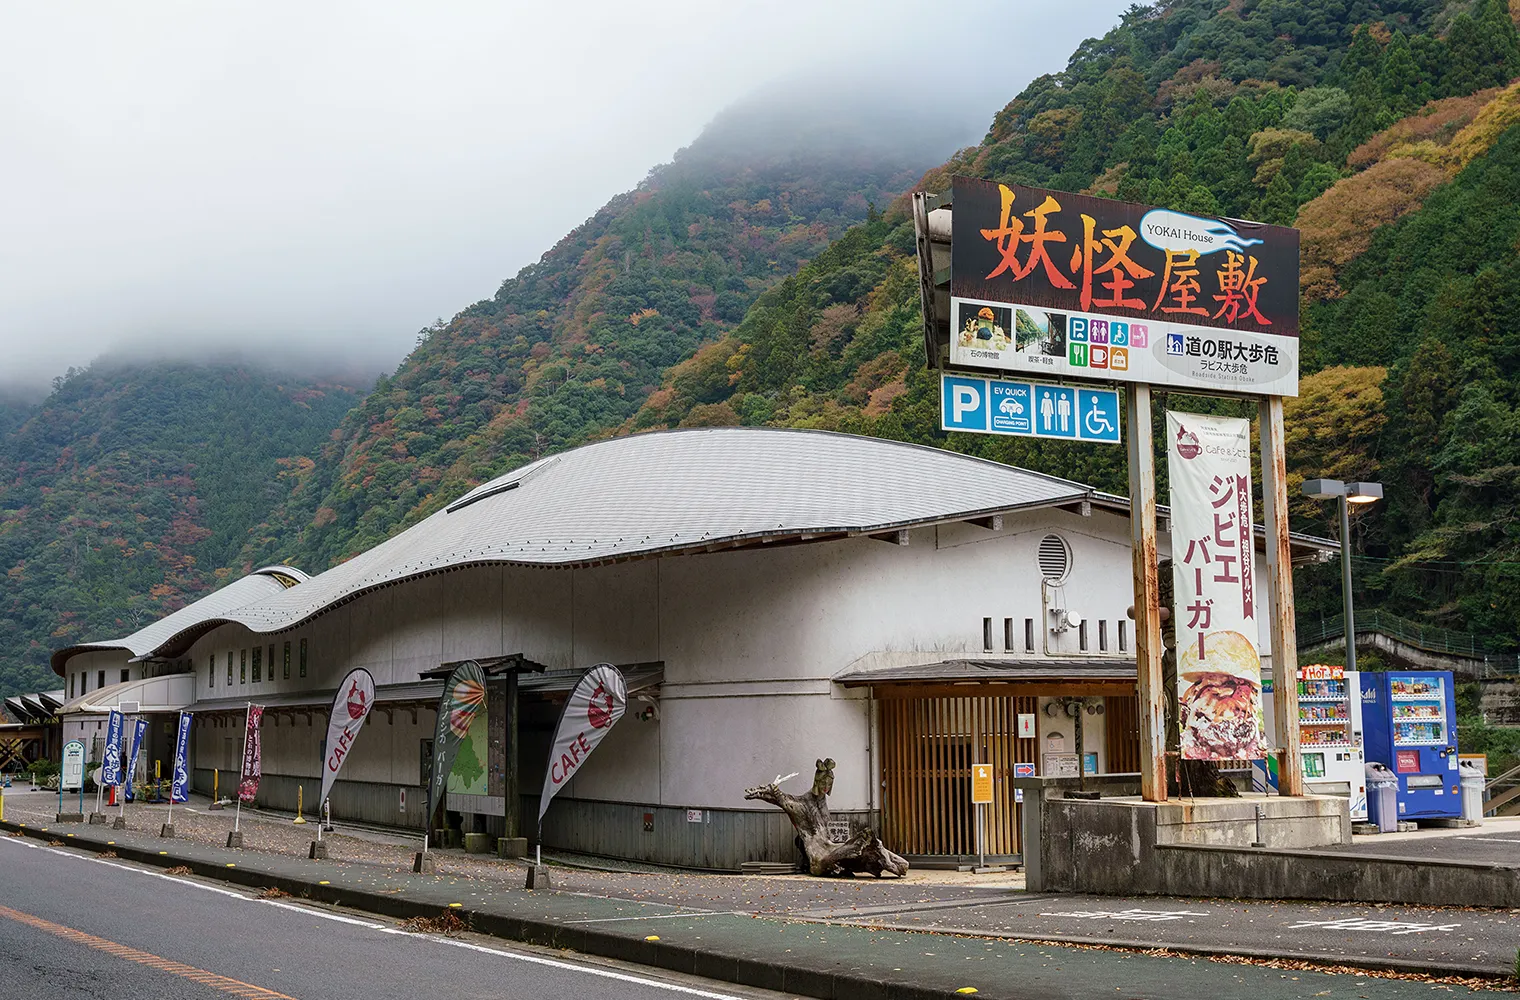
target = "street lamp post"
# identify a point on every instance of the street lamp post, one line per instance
(1347, 494)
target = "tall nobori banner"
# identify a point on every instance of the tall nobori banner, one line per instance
(351, 706)
(598, 700)
(179, 790)
(1057, 285)
(464, 697)
(110, 767)
(139, 728)
(253, 759)
(1216, 607)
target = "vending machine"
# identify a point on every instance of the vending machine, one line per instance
(1409, 721)
(1329, 737)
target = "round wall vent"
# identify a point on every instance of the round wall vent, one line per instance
(1055, 558)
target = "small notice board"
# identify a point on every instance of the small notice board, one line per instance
(981, 784)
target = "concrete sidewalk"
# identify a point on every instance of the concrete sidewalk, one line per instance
(860, 938)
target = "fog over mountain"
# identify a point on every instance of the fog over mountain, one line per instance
(312, 185)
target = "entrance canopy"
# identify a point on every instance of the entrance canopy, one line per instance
(1049, 670)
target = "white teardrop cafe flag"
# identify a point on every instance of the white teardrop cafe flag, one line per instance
(597, 701)
(356, 696)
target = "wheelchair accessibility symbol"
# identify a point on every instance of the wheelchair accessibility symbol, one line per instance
(1099, 415)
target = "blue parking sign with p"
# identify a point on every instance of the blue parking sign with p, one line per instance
(963, 403)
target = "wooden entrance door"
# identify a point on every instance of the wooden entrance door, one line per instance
(928, 747)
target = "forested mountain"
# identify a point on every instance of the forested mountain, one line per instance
(766, 277)
(1389, 132)
(570, 347)
(129, 491)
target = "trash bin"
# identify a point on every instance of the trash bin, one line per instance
(1382, 797)
(1472, 791)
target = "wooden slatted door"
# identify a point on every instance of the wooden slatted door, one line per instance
(929, 745)
(1121, 734)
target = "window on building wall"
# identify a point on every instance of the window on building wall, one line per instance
(1123, 636)
(303, 657)
(258, 664)
(1102, 635)
(287, 658)
(126, 675)
(1082, 636)
(1007, 635)
(243, 667)
(211, 672)
(987, 634)
(229, 668)
(71, 685)
(1029, 635)
(100, 680)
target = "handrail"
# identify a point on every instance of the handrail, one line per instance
(1429, 638)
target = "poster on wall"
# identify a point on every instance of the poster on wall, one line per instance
(596, 703)
(350, 707)
(1216, 606)
(464, 698)
(1050, 284)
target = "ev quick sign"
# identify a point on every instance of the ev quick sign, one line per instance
(1028, 409)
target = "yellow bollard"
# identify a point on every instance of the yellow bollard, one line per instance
(300, 790)
(216, 780)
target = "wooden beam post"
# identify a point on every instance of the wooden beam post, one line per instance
(1274, 488)
(1142, 520)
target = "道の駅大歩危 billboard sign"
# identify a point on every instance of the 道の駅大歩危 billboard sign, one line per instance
(1057, 285)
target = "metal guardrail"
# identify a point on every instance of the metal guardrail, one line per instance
(1429, 638)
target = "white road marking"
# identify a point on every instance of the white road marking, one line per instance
(660, 916)
(382, 928)
(1395, 927)
(1156, 916)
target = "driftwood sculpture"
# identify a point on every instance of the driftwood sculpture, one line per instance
(862, 852)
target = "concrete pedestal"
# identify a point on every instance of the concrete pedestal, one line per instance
(318, 850)
(235, 838)
(69, 818)
(167, 830)
(477, 843)
(511, 847)
(119, 823)
(216, 805)
(424, 863)
(97, 818)
(538, 877)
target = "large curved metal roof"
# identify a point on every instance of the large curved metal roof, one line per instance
(678, 491)
(194, 618)
(636, 497)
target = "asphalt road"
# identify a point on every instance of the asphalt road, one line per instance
(74, 926)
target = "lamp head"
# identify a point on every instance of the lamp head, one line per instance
(1327, 489)
(1363, 492)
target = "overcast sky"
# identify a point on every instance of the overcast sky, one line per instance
(335, 176)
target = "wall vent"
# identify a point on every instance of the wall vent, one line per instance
(1055, 558)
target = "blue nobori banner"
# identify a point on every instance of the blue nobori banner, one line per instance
(110, 768)
(1029, 409)
(180, 789)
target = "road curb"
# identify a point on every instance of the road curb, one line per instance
(825, 984)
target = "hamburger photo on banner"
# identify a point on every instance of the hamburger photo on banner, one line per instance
(1220, 709)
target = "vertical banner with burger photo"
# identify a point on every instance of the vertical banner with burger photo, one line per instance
(1216, 605)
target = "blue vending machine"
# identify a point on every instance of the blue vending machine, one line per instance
(1409, 721)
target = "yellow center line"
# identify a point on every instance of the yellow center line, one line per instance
(222, 983)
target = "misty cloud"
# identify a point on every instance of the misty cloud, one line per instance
(318, 182)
